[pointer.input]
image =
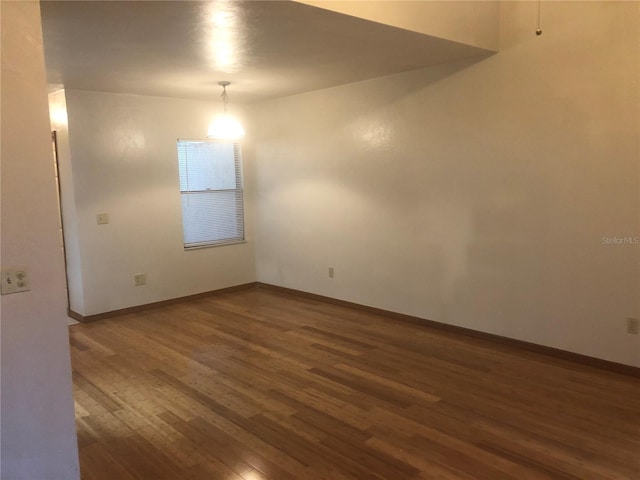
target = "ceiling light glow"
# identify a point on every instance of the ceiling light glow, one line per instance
(225, 127)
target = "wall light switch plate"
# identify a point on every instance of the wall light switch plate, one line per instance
(15, 280)
(102, 218)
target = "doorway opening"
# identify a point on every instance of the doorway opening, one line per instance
(54, 145)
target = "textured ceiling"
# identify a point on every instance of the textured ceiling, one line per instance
(265, 48)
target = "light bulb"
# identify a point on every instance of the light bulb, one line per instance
(225, 128)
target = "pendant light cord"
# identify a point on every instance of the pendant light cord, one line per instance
(225, 97)
(539, 30)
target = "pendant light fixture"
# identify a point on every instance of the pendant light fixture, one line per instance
(225, 127)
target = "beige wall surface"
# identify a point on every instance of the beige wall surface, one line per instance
(123, 162)
(469, 22)
(488, 195)
(60, 124)
(38, 430)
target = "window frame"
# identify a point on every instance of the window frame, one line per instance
(239, 174)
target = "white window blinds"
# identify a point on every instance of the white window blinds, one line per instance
(211, 191)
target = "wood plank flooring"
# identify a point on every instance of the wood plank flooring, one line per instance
(257, 384)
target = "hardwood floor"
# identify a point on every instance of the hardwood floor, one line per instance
(258, 384)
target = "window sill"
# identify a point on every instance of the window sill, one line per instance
(212, 245)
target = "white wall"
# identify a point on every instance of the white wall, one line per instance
(59, 123)
(124, 163)
(470, 22)
(473, 194)
(38, 431)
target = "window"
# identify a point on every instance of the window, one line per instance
(211, 191)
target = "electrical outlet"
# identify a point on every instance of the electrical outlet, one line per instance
(331, 272)
(15, 280)
(140, 279)
(102, 218)
(633, 326)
